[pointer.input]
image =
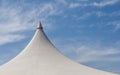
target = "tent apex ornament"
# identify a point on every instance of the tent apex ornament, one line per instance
(39, 26)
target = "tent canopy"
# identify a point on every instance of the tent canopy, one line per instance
(40, 57)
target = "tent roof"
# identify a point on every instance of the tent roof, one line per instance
(40, 57)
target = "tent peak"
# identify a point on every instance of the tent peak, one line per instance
(39, 26)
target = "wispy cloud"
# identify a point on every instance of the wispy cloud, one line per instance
(105, 14)
(8, 38)
(88, 51)
(98, 14)
(88, 54)
(85, 15)
(74, 5)
(92, 53)
(15, 18)
(102, 3)
(105, 3)
(116, 24)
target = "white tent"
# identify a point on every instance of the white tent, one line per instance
(40, 57)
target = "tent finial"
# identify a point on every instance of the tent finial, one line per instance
(39, 26)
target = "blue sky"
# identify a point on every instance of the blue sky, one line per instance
(87, 31)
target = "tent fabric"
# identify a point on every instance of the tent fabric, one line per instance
(41, 57)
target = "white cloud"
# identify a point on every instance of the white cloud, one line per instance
(62, 2)
(106, 14)
(85, 15)
(116, 24)
(105, 3)
(85, 53)
(89, 54)
(10, 38)
(83, 0)
(15, 19)
(86, 3)
(10, 23)
(74, 5)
